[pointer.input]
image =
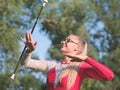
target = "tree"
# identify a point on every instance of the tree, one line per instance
(64, 18)
(14, 18)
(67, 18)
(108, 13)
(59, 19)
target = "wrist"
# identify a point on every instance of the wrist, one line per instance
(85, 58)
(28, 52)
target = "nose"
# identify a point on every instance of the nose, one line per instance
(63, 43)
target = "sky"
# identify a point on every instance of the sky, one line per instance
(43, 43)
(41, 49)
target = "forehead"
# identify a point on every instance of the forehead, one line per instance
(73, 37)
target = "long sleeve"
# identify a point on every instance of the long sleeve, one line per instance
(96, 70)
(42, 65)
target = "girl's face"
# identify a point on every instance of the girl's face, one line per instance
(70, 45)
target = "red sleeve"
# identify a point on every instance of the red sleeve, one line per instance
(96, 70)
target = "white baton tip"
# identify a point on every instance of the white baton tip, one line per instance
(13, 76)
(45, 0)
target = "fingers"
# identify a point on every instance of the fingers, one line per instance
(28, 36)
(85, 49)
(29, 43)
(70, 55)
(35, 43)
(28, 39)
(21, 38)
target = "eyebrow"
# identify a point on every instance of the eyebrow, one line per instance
(71, 40)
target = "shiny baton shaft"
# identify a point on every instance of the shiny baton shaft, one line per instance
(20, 58)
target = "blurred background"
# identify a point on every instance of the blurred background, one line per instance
(97, 21)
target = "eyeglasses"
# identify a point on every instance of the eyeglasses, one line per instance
(67, 41)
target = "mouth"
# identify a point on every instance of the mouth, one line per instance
(63, 45)
(63, 49)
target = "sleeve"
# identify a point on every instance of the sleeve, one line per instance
(97, 70)
(41, 65)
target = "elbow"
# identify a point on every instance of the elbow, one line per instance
(26, 63)
(110, 76)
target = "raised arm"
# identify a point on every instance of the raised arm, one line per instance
(29, 43)
(91, 68)
(28, 62)
(96, 70)
(41, 65)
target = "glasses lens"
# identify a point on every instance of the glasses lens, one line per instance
(67, 41)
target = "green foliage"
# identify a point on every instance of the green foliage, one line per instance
(9, 46)
(25, 83)
(13, 21)
(65, 18)
(28, 82)
(109, 13)
(60, 18)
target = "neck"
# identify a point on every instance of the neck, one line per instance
(67, 59)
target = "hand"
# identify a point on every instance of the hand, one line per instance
(82, 56)
(30, 44)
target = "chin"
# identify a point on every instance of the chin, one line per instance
(63, 52)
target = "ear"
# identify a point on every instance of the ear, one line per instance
(78, 47)
(84, 49)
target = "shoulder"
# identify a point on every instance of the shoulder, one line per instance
(84, 65)
(50, 63)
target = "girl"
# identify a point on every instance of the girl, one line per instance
(72, 70)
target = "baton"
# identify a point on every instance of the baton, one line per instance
(20, 58)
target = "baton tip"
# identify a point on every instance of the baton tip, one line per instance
(46, 1)
(13, 76)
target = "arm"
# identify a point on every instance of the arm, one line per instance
(31, 63)
(97, 70)
(26, 59)
(42, 65)
(91, 68)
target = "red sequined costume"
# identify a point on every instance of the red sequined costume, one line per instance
(90, 68)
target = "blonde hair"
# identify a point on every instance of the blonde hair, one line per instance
(82, 42)
(72, 70)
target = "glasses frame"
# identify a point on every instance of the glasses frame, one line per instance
(68, 40)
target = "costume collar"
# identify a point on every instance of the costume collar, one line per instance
(65, 62)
